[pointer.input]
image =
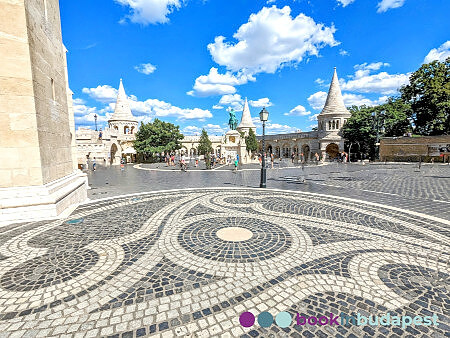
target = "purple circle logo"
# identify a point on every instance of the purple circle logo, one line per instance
(247, 319)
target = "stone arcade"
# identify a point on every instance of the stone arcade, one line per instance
(327, 140)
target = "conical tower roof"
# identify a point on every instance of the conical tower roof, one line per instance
(246, 120)
(334, 103)
(122, 111)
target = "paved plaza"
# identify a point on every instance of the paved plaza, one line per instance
(167, 253)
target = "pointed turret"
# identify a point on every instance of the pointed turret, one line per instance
(246, 120)
(122, 111)
(334, 103)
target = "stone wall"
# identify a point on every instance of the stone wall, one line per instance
(35, 136)
(414, 148)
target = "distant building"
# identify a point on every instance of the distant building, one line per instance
(424, 148)
(110, 145)
(326, 141)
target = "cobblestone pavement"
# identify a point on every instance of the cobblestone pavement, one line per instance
(159, 263)
(423, 190)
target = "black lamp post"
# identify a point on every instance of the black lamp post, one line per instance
(95, 118)
(263, 116)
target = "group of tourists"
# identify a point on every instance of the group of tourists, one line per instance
(169, 159)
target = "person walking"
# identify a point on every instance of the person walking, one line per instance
(292, 157)
(271, 159)
(236, 163)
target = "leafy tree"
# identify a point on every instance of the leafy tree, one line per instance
(251, 142)
(359, 130)
(395, 119)
(205, 148)
(428, 93)
(157, 137)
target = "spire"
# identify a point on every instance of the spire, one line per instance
(246, 120)
(334, 103)
(122, 111)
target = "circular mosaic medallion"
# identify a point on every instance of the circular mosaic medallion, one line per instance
(254, 239)
(234, 234)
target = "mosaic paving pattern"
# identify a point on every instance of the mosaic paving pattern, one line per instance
(152, 264)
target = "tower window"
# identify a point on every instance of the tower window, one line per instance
(337, 124)
(329, 125)
(52, 82)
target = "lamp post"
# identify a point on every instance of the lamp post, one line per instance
(95, 118)
(263, 116)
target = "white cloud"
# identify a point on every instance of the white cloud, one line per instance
(317, 100)
(216, 106)
(150, 11)
(385, 5)
(383, 83)
(343, 52)
(275, 128)
(191, 130)
(145, 68)
(441, 53)
(271, 39)
(218, 84)
(319, 81)
(298, 111)
(234, 101)
(313, 117)
(345, 3)
(211, 129)
(104, 94)
(263, 102)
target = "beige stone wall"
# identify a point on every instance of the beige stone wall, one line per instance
(410, 148)
(35, 140)
(19, 147)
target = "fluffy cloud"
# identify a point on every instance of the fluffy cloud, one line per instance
(263, 102)
(317, 100)
(365, 82)
(145, 68)
(313, 117)
(298, 111)
(343, 52)
(234, 101)
(271, 39)
(385, 5)
(211, 129)
(345, 3)
(440, 54)
(150, 11)
(218, 84)
(216, 106)
(275, 128)
(104, 94)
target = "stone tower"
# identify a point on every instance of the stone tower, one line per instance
(123, 123)
(246, 120)
(38, 178)
(331, 119)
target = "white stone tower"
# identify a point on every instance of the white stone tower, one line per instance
(331, 119)
(246, 120)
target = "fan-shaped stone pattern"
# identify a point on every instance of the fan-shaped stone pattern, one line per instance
(49, 269)
(99, 226)
(340, 213)
(239, 200)
(326, 236)
(268, 240)
(165, 279)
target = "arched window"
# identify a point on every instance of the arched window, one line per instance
(132, 130)
(337, 124)
(334, 125)
(126, 130)
(329, 125)
(116, 128)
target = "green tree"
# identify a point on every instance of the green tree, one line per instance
(359, 130)
(157, 137)
(395, 117)
(205, 148)
(251, 142)
(428, 93)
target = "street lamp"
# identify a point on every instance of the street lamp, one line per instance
(263, 116)
(95, 118)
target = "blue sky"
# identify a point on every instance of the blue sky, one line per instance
(188, 62)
